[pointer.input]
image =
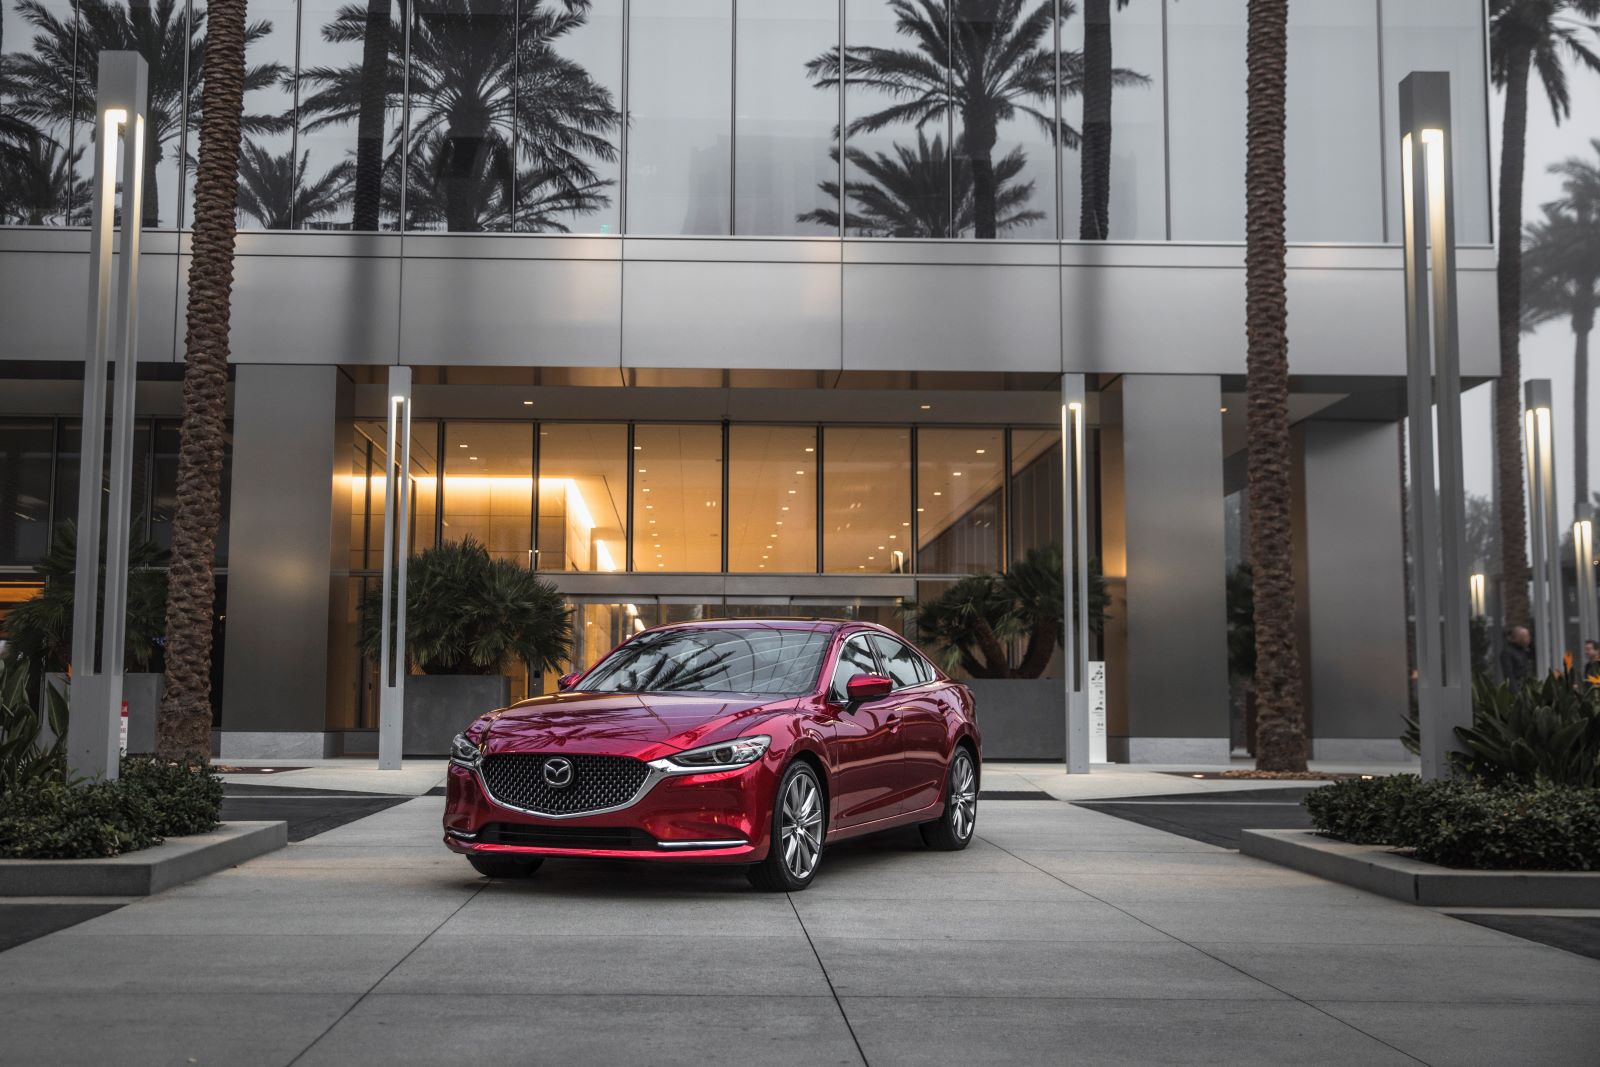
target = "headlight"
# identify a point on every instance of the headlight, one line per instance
(464, 753)
(737, 753)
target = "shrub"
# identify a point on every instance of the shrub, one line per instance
(186, 796)
(26, 759)
(1363, 811)
(1542, 733)
(151, 800)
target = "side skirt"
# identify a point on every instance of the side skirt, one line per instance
(905, 818)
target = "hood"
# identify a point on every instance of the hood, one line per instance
(645, 725)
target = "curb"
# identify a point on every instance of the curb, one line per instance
(151, 870)
(1382, 871)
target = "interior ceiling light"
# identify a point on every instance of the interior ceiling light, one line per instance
(527, 403)
(461, 446)
(810, 449)
(927, 407)
(981, 451)
(800, 472)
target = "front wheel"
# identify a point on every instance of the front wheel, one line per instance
(952, 831)
(797, 831)
(504, 866)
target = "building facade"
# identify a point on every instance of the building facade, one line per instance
(658, 359)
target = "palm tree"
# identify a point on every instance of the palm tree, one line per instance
(905, 194)
(1525, 36)
(40, 183)
(184, 728)
(1280, 707)
(491, 101)
(59, 78)
(275, 192)
(984, 61)
(1094, 216)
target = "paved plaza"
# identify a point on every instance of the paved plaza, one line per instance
(1063, 935)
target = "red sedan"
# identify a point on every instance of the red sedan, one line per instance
(745, 742)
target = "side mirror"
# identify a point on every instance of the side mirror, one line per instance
(867, 687)
(567, 681)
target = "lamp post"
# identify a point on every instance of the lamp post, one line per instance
(1433, 408)
(1584, 576)
(396, 550)
(1075, 569)
(1549, 631)
(93, 728)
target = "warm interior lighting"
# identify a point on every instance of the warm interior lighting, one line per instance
(602, 556)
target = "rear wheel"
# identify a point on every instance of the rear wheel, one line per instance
(505, 866)
(797, 832)
(952, 831)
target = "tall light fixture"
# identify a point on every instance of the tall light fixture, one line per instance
(1583, 560)
(1433, 408)
(94, 726)
(396, 551)
(1075, 570)
(1549, 631)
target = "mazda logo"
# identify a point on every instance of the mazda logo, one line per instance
(557, 772)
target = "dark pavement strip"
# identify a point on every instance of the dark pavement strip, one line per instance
(1214, 817)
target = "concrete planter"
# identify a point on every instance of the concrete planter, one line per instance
(150, 870)
(1021, 718)
(143, 693)
(439, 706)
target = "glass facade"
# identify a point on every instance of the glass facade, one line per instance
(1035, 120)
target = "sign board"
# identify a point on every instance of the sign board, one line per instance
(122, 745)
(1097, 711)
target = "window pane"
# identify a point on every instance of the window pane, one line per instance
(1129, 173)
(568, 121)
(866, 499)
(903, 665)
(1206, 97)
(1036, 513)
(583, 487)
(424, 486)
(854, 658)
(1332, 146)
(898, 174)
(772, 499)
(677, 498)
(766, 661)
(269, 182)
(785, 125)
(46, 186)
(680, 109)
(25, 447)
(351, 99)
(959, 476)
(488, 487)
(1002, 74)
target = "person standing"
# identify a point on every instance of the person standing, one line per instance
(1591, 663)
(1516, 659)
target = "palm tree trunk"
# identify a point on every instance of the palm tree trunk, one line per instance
(1582, 324)
(368, 192)
(1280, 716)
(1094, 218)
(1514, 573)
(184, 730)
(979, 141)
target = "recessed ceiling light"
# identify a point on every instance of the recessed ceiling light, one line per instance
(893, 536)
(1224, 411)
(981, 451)
(907, 523)
(935, 493)
(810, 449)
(922, 509)
(461, 446)
(882, 547)
(791, 492)
(872, 557)
(799, 472)
(927, 407)
(956, 473)
(786, 507)
(472, 457)
(527, 403)
(643, 471)
(637, 448)
(649, 507)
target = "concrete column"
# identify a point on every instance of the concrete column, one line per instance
(1176, 659)
(1352, 592)
(280, 553)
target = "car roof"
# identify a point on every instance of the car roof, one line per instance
(764, 622)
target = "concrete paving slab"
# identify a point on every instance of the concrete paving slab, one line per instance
(1158, 971)
(972, 920)
(1308, 924)
(135, 1029)
(614, 964)
(1124, 889)
(1481, 1035)
(1109, 1032)
(507, 910)
(909, 886)
(622, 1030)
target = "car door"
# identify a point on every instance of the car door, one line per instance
(923, 733)
(868, 776)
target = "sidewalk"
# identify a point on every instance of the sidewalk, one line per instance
(1061, 935)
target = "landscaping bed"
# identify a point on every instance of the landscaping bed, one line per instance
(46, 818)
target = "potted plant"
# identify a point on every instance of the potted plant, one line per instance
(468, 617)
(1002, 631)
(39, 631)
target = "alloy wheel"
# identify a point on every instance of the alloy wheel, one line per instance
(963, 797)
(802, 825)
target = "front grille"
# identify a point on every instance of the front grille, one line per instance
(598, 782)
(617, 838)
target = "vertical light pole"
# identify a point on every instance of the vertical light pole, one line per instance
(1549, 630)
(97, 643)
(1433, 396)
(1583, 560)
(396, 550)
(1075, 570)
(1478, 592)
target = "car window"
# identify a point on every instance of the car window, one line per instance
(902, 664)
(764, 661)
(854, 658)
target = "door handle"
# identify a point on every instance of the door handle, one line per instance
(894, 721)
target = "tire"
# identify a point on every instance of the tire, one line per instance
(505, 866)
(798, 828)
(952, 831)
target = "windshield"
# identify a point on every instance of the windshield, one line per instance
(765, 661)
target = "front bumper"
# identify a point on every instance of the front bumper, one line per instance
(717, 817)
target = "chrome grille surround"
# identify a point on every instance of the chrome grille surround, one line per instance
(600, 784)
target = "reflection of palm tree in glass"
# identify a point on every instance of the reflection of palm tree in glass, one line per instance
(59, 78)
(492, 105)
(908, 193)
(1094, 218)
(982, 61)
(274, 191)
(39, 184)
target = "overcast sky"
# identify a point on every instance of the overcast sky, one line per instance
(1548, 352)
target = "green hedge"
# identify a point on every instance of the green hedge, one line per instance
(151, 800)
(1464, 823)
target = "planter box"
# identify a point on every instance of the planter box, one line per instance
(1382, 871)
(439, 706)
(143, 693)
(1021, 718)
(151, 870)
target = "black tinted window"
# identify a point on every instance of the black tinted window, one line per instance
(768, 662)
(903, 665)
(854, 658)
